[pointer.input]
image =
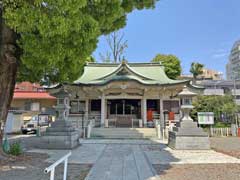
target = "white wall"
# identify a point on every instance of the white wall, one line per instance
(14, 123)
(219, 92)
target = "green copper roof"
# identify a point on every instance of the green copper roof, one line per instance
(144, 73)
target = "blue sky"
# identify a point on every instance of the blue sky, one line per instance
(193, 30)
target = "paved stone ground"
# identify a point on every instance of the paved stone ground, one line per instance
(84, 154)
(122, 162)
(166, 155)
(132, 159)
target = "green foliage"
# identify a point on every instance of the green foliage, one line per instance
(221, 125)
(216, 104)
(5, 144)
(196, 69)
(15, 149)
(171, 63)
(57, 36)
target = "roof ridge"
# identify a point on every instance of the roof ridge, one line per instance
(130, 64)
(120, 67)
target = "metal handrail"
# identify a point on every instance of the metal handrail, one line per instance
(52, 167)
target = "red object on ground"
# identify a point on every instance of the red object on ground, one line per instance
(149, 115)
(32, 95)
(171, 116)
(238, 132)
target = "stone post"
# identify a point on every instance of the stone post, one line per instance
(144, 111)
(162, 120)
(103, 111)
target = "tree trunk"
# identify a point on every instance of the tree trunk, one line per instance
(194, 80)
(9, 56)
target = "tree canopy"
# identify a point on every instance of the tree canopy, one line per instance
(196, 70)
(57, 36)
(218, 104)
(171, 63)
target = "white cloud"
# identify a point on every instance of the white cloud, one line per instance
(220, 55)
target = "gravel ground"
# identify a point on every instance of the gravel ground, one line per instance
(199, 172)
(228, 145)
(31, 165)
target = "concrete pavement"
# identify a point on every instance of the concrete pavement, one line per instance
(132, 159)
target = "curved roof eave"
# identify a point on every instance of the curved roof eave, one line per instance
(196, 87)
(146, 84)
(55, 86)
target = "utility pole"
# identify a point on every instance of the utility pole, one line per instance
(236, 73)
(234, 88)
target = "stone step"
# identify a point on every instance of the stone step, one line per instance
(130, 131)
(122, 137)
(126, 129)
(120, 133)
(127, 134)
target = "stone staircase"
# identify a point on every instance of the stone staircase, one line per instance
(124, 133)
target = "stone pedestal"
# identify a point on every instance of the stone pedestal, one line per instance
(187, 136)
(61, 135)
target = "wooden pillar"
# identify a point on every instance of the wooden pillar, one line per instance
(86, 108)
(123, 107)
(102, 110)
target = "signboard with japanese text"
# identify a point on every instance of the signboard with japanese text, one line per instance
(206, 118)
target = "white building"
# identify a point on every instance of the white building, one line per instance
(233, 64)
(221, 88)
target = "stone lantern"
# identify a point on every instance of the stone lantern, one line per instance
(62, 107)
(186, 97)
(186, 134)
(61, 134)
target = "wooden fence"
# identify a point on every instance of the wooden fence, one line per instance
(220, 132)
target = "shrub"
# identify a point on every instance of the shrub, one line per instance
(15, 149)
(221, 125)
(223, 107)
